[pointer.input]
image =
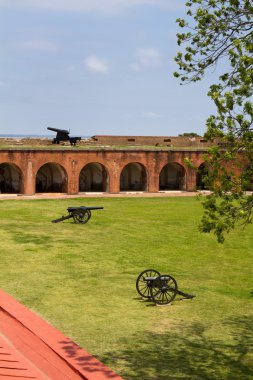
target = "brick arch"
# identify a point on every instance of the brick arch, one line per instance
(134, 177)
(51, 177)
(94, 176)
(247, 177)
(201, 177)
(172, 176)
(11, 178)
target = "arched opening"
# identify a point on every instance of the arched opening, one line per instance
(10, 179)
(134, 178)
(202, 178)
(247, 178)
(172, 177)
(51, 178)
(93, 177)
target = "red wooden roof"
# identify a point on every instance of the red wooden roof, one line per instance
(30, 348)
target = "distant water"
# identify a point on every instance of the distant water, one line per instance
(12, 136)
(23, 136)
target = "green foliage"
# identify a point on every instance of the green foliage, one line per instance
(223, 213)
(189, 134)
(216, 30)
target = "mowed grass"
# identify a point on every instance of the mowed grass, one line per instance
(81, 279)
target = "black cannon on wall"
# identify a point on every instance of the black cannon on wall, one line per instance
(80, 215)
(63, 135)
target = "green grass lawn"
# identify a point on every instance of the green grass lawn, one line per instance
(81, 278)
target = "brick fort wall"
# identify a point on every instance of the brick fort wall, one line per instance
(28, 171)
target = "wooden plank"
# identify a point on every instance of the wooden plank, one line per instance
(47, 348)
(13, 365)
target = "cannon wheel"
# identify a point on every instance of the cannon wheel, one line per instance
(143, 287)
(81, 216)
(163, 290)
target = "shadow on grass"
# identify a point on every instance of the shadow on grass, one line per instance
(24, 236)
(188, 355)
(146, 301)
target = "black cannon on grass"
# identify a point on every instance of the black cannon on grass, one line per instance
(80, 215)
(160, 288)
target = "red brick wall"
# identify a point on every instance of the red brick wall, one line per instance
(30, 161)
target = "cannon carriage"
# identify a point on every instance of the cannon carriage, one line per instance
(80, 215)
(160, 288)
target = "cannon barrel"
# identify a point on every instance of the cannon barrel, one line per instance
(58, 130)
(71, 209)
(93, 208)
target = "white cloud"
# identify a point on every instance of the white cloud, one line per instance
(104, 6)
(149, 57)
(37, 45)
(96, 65)
(146, 57)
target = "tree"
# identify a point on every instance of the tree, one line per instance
(189, 134)
(216, 31)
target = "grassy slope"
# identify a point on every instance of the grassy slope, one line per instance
(81, 278)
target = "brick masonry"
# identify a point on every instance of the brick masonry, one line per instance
(27, 164)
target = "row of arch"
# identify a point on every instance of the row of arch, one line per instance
(94, 177)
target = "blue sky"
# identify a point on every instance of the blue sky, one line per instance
(95, 67)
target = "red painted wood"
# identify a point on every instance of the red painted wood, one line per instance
(54, 355)
(14, 365)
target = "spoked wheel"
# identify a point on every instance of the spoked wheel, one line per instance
(164, 290)
(81, 216)
(144, 282)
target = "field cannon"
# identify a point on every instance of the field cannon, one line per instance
(160, 288)
(80, 215)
